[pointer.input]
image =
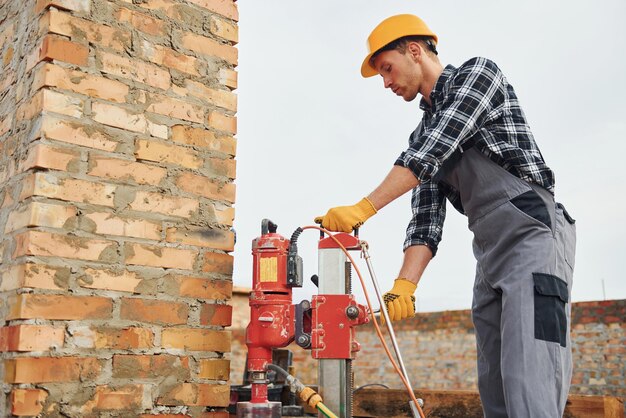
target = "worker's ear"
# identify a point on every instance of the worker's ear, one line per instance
(413, 48)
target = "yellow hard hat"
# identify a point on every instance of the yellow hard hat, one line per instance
(387, 31)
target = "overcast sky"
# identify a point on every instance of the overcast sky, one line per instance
(312, 133)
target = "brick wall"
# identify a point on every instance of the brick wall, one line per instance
(117, 123)
(439, 351)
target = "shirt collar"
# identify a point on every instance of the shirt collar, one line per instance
(436, 93)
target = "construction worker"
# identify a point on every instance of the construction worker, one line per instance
(474, 147)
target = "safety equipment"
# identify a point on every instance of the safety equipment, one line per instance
(390, 29)
(347, 218)
(400, 301)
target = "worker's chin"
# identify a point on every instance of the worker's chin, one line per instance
(409, 97)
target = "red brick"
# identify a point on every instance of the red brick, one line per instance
(226, 8)
(49, 75)
(222, 167)
(207, 46)
(224, 29)
(30, 306)
(118, 117)
(65, 24)
(51, 369)
(141, 22)
(124, 339)
(204, 138)
(106, 397)
(105, 223)
(156, 256)
(150, 366)
(167, 205)
(37, 276)
(218, 263)
(205, 187)
(133, 69)
(167, 153)
(119, 281)
(60, 49)
(154, 311)
(223, 122)
(125, 170)
(228, 77)
(214, 369)
(220, 98)
(169, 58)
(205, 237)
(27, 401)
(39, 214)
(77, 133)
(50, 101)
(56, 245)
(75, 5)
(49, 157)
(225, 217)
(73, 190)
(200, 288)
(31, 337)
(175, 108)
(195, 339)
(218, 315)
(196, 394)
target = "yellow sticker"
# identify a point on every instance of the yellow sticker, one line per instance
(269, 269)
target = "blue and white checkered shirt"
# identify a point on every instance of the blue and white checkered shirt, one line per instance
(473, 105)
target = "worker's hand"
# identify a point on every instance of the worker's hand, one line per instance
(347, 218)
(399, 301)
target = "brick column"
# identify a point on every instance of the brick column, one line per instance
(117, 123)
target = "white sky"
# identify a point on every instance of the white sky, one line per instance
(313, 134)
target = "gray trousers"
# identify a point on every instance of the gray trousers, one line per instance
(524, 245)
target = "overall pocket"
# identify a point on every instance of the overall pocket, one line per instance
(550, 297)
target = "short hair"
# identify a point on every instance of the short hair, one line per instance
(401, 45)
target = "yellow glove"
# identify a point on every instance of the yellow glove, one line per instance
(399, 301)
(347, 218)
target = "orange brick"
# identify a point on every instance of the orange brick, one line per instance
(124, 339)
(226, 8)
(218, 263)
(37, 276)
(125, 170)
(165, 257)
(207, 46)
(55, 187)
(204, 237)
(50, 101)
(205, 187)
(118, 117)
(56, 245)
(196, 339)
(227, 77)
(127, 397)
(224, 29)
(74, 132)
(121, 281)
(169, 58)
(134, 69)
(39, 214)
(75, 5)
(204, 138)
(196, 394)
(222, 167)
(221, 98)
(154, 311)
(167, 205)
(105, 223)
(223, 122)
(167, 153)
(49, 157)
(51, 369)
(200, 288)
(60, 49)
(215, 369)
(218, 315)
(49, 75)
(84, 30)
(31, 337)
(28, 401)
(141, 21)
(225, 217)
(175, 108)
(150, 366)
(30, 306)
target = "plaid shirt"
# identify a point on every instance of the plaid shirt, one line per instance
(472, 105)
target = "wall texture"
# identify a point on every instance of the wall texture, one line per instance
(439, 351)
(117, 123)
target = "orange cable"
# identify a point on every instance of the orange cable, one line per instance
(369, 304)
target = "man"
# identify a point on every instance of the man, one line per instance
(474, 147)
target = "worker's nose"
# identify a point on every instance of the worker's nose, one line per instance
(387, 81)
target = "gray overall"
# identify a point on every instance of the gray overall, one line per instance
(524, 246)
